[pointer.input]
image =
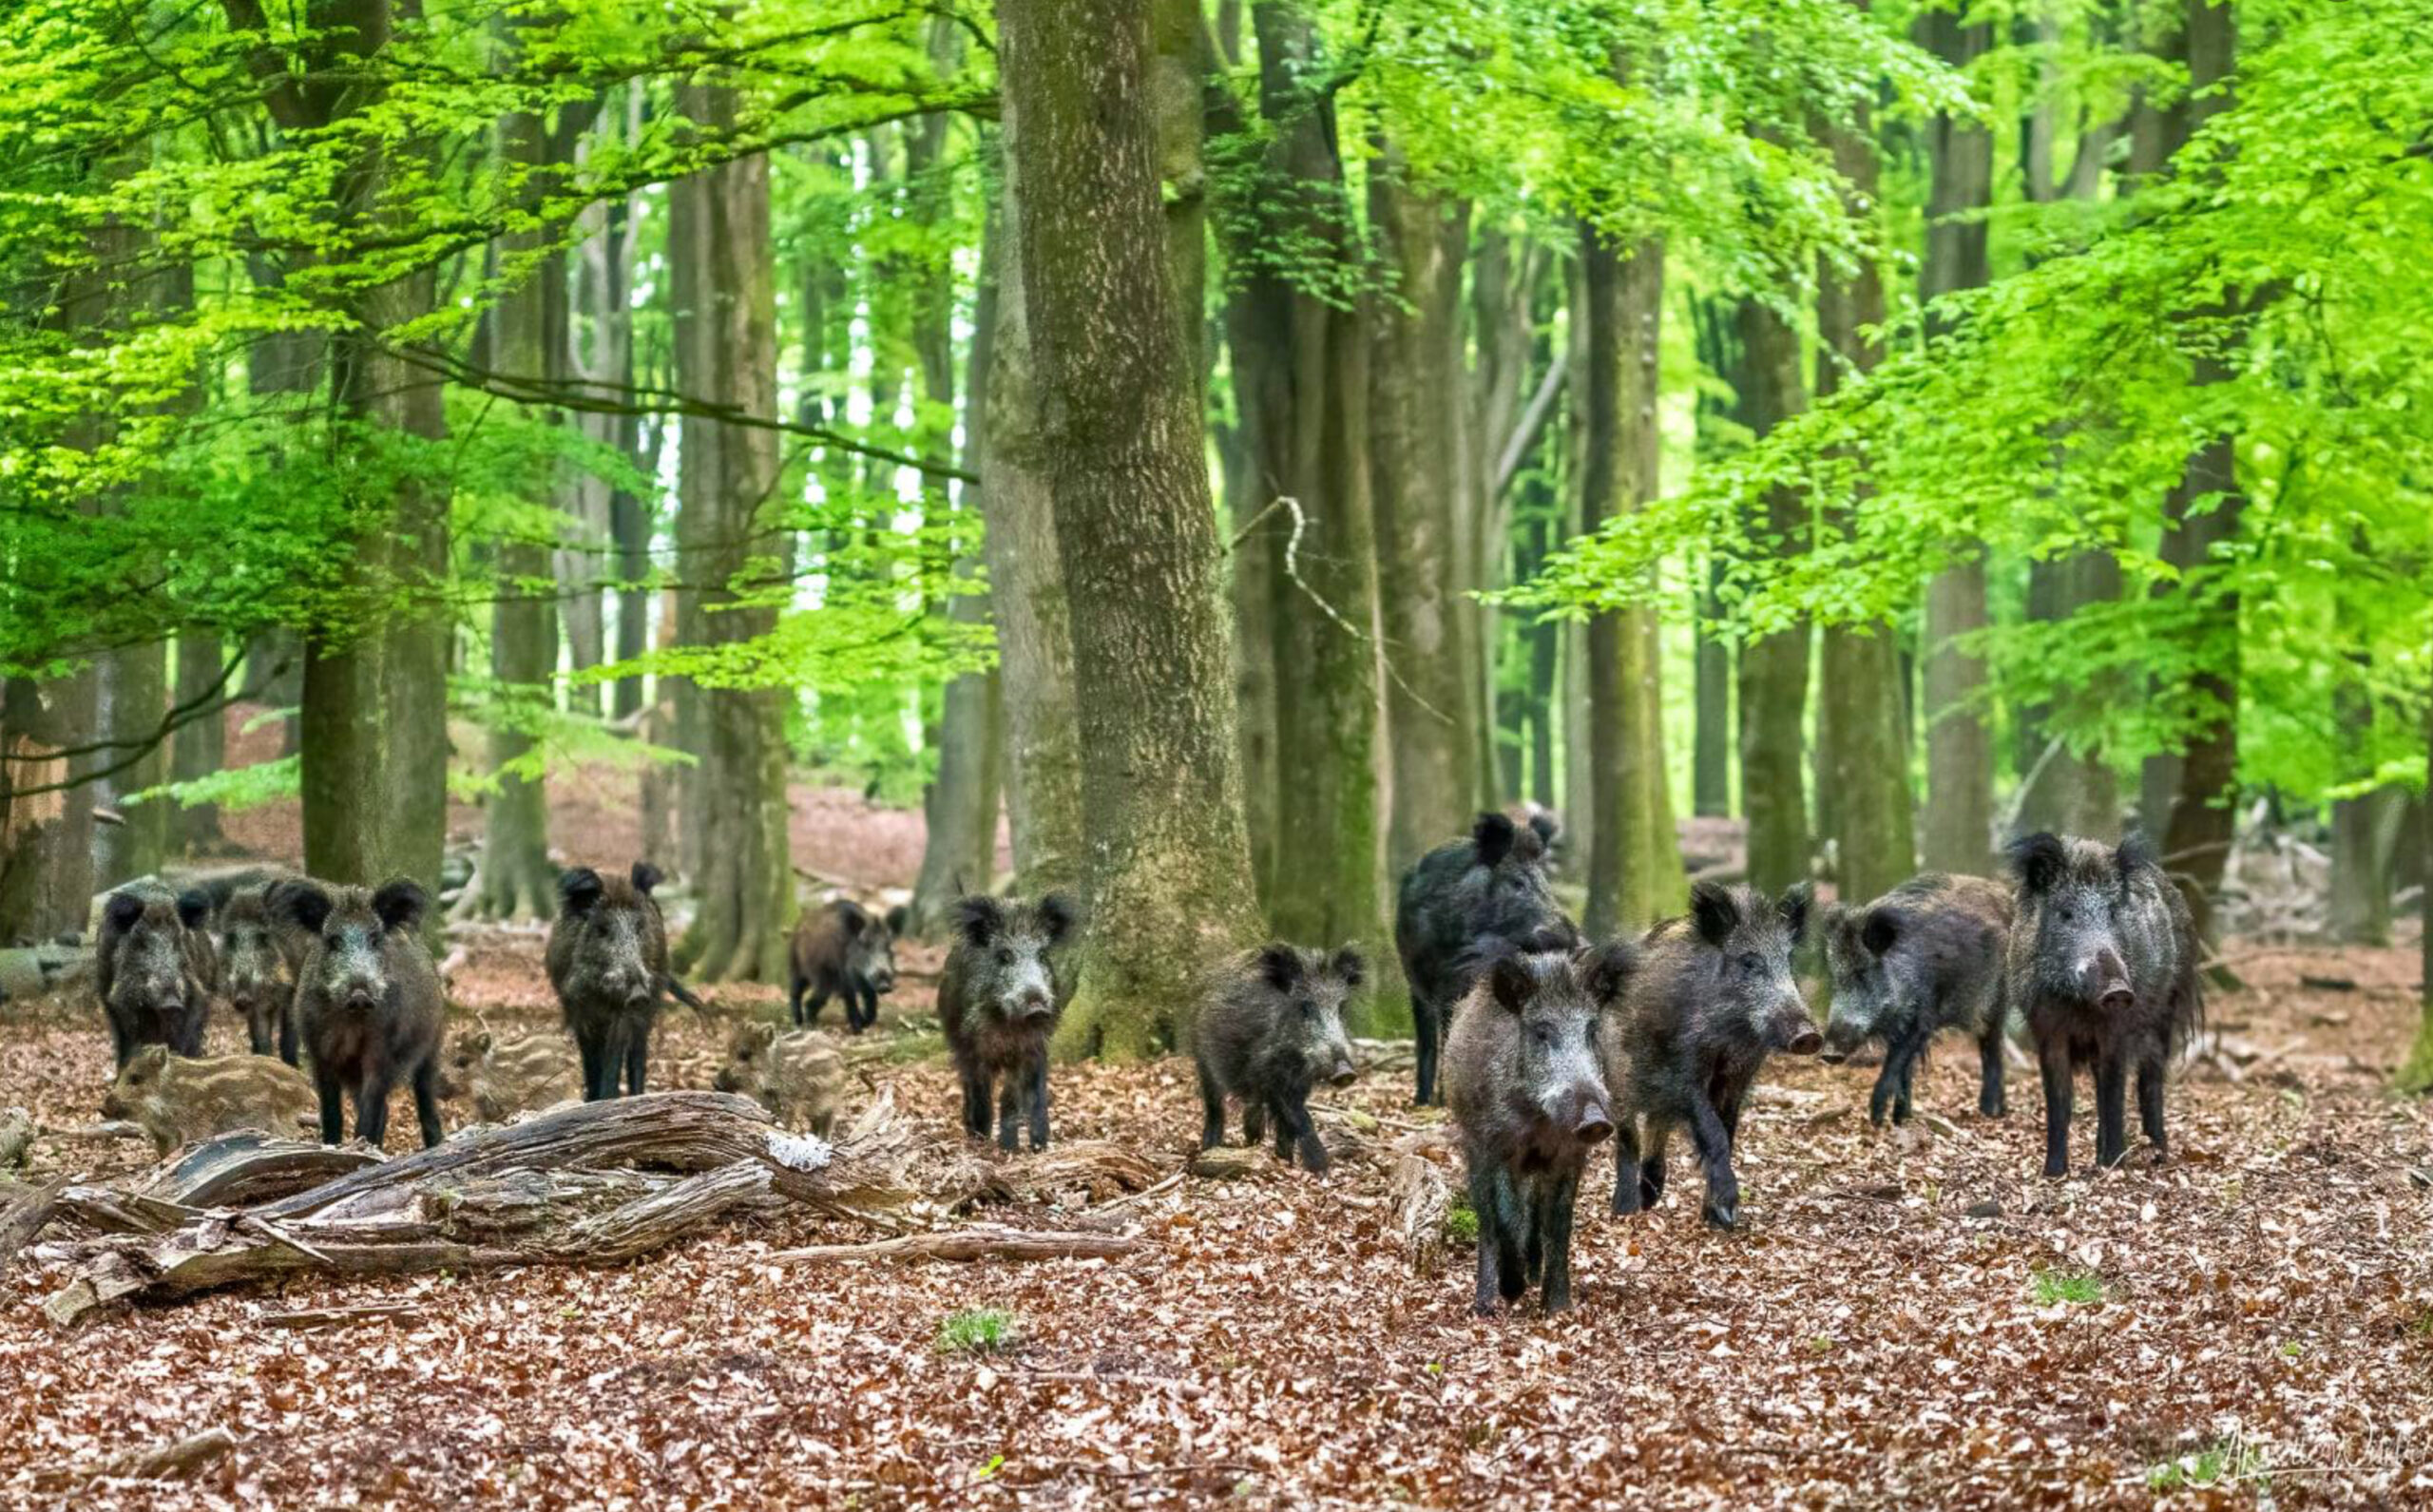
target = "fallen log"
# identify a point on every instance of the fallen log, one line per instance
(160, 1461)
(24, 1210)
(249, 1167)
(311, 1318)
(980, 1242)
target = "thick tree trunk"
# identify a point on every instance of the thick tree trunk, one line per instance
(1027, 594)
(1960, 746)
(1169, 865)
(730, 538)
(1634, 866)
(47, 881)
(200, 747)
(135, 695)
(1863, 763)
(2416, 1073)
(1711, 755)
(1773, 668)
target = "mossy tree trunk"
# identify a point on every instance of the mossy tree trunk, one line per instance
(1169, 861)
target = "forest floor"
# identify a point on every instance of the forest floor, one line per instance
(1909, 1318)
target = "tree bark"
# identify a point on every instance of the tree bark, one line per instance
(1169, 865)
(730, 540)
(200, 747)
(1773, 668)
(1863, 764)
(2416, 1073)
(1960, 747)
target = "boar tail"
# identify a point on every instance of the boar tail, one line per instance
(684, 995)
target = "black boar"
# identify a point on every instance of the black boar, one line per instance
(256, 976)
(607, 959)
(800, 1078)
(1526, 1078)
(1924, 957)
(842, 950)
(367, 1003)
(2103, 971)
(178, 1101)
(153, 966)
(1712, 997)
(1004, 986)
(1491, 886)
(1270, 1028)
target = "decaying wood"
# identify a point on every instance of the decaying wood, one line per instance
(590, 1184)
(24, 1210)
(16, 1138)
(1226, 1162)
(240, 1169)
(307, 1318)
(1420, 1197)
(1099, 1170)
(979, 1242)
(160, 1461)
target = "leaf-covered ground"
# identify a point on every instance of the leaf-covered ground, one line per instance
(2252, 1319)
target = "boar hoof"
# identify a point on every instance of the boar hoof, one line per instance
(1721, 1215)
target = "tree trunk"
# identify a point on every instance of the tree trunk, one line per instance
(1169, 865)
(2416, 1073)
(1634, 866)
(1959, 828)
(1773, 668)
(722, 266)
(200, 747)
(1711, 755)
(1863, 764)
(1413, 396)
(1026, 593)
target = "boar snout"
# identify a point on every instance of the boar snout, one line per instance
(1033, 1003)
(1344, 1072)
(1595, 1125)
(2107, 981)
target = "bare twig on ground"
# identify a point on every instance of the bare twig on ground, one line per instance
(980, 1242)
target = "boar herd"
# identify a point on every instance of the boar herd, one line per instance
(1542, 1044)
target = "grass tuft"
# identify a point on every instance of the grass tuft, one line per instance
(976, 1331)
(2227, 1462)
(2054, 1287)
(1460, 1224)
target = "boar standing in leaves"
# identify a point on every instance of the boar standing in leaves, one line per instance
(153, 966)
(1712, 997)
(2102, 970)
(519, 1075)
(179, 1101)
(256, 977)
(1924, 957)
(1004, 986)
(842, 950)
(800, 1078)
(1491, 886)
(367, 1003)
(607, 959)
(1526, 1078)
(1270, 1028)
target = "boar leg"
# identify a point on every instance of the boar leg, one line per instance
(870, 1005)
(2053, 1060)
(1039, 1100)
(2150, 1104)
(1893, 1082)
(818, 1001)
(976, 1100)
(1293, 1113)
(1626, 1164)
(332, 1109)
(1212, 1107)
(426, 1100)
(258, 1030)
(1491, 1240)
(1283, 1129)
(372, 1105)
(1558, 1198)
(795, 985)
(2111, 1109)
(1009, 1108)
(586, 1043)
(637, 1057)
(1423, 1018)
(1651, 1161)
(1990, 1076)
(1714, 1141)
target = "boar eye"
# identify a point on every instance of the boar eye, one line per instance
(1004, 956)
(1750, 963)
(2066, 913)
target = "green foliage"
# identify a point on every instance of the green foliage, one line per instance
(2231, 1462)
(233, 789)
(976, 1331)
(2053, 1288)
(1460, 1224)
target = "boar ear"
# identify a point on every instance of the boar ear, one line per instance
(1715, 911)
(477, 1042)
(2136, 853)
(193, 906)
(1880, 929)
(1509, 980)
(122, 911)
(302, 904)
(2037, 859)
(1547, 826)
(763, 1035)
(899, 919)
(1059, 913)
(1348, 967)
(1493, 835)
(398, 905)
(645, 876)
(150, 1060)
(978, 919)
(1607, 969)
(849, 915)
(579, 888)
(1280, 966)
(1792, 906)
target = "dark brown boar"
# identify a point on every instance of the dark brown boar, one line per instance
(607, 959)
(1004, 986)
(367, 1003)
(842, 950)
(153, 967)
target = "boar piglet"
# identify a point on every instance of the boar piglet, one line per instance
(1713, 996)
(1004, 986)
(607, 959)
(506, 1078)
(178, 1101)
(1491, 886)
(2102, 970)
(1926, 957)
(1269, 1028)
(1524, 1076)
(256, 979)
(843, 951)
(153, 966)
(367, 1003)
(800, 1078)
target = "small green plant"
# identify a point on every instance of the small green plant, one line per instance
(2054, 1287)
(2224, 1464)
(1460, 1224)
(976, 1331)
(995, 1462)
(1821, 1344)
(2291, 1350)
